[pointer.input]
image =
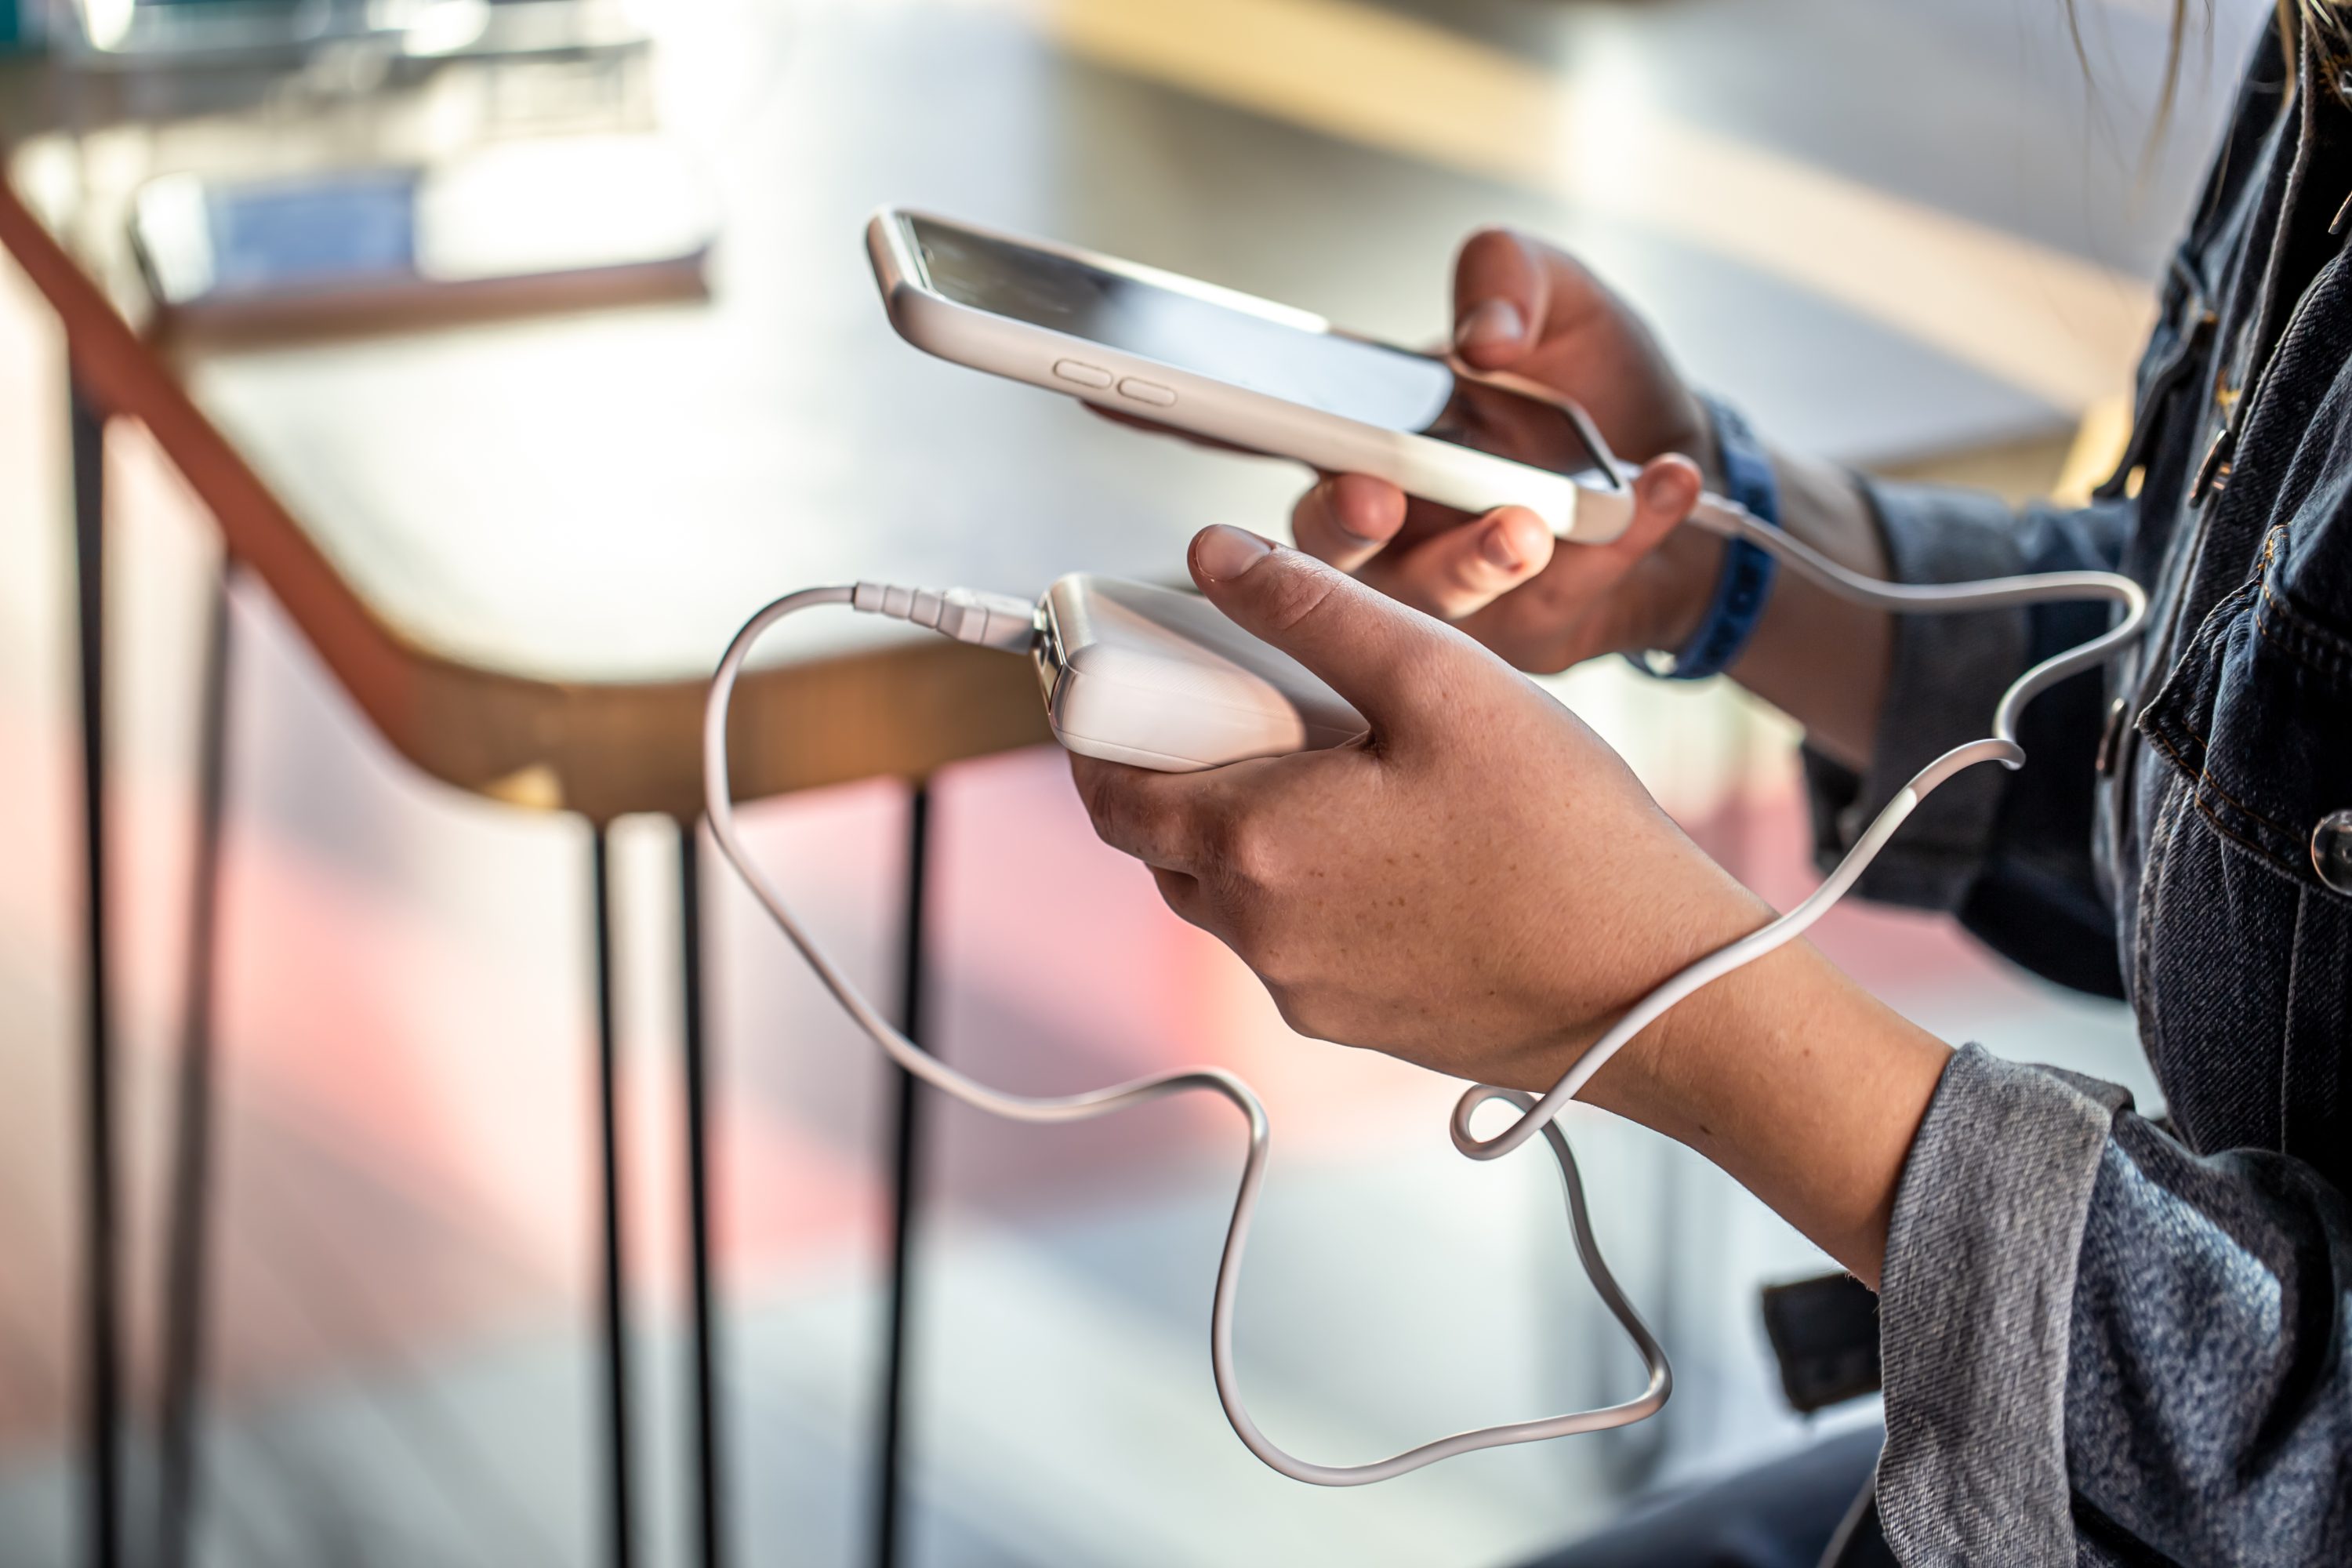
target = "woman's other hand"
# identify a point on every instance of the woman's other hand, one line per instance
(1526, 308)
(1523, 307)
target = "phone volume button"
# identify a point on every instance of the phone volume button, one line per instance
(1150, 392)
(1083, 374)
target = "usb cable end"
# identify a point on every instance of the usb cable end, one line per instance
(991, 620)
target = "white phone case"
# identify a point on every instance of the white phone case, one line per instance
(1095, 372)
(1161, 678)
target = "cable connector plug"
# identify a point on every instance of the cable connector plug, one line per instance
(991, 620)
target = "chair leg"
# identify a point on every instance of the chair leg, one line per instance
(101, 1307)
(905, 1171)
(620, 1548)
(710, 1469)
(184, 1272)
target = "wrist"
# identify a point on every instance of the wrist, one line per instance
(1690, 562)
(1797, 1083)
(1821, 658)
(1711, 626)
(1663, 605)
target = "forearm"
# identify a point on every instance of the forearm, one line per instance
(1821, 659)
(1800, 1084)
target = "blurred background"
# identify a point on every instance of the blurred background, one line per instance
(497, 481)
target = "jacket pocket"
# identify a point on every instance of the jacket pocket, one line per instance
(2258, 713)
(2243, 991)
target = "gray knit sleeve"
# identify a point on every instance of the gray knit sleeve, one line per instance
(1976, 1313)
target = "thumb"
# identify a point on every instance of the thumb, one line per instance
(1513, 294)
(1380, 654)
(1501, 298)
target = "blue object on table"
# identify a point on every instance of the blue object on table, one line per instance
(314, 232)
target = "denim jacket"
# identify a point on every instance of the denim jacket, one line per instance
(2106, 1339)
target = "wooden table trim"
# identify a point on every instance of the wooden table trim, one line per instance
(602, 749)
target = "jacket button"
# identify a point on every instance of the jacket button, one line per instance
(2331, 850)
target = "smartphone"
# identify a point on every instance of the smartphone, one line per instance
(1242, 371)
(532, 224)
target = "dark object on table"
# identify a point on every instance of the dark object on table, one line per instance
(1824, 1333)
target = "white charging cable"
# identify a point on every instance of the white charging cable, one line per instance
(998, 621)
(1001, 622)
(1734, 522)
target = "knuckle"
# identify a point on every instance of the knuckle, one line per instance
(1099, 792)
(1249, 854)
(1274, 959)
(1110, 831)
(1180, 892)
(1297, 1016)
(1214, 830)
(1293, 597)
(1473, 580)
(1313, 1011)
(1124, 817)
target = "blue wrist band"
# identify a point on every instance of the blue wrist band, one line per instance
(1745, 585)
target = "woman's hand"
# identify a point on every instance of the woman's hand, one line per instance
(1523, 307)
(1480, 886)
(1526, 308)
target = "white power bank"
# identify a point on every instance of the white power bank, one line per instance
(1160, 679)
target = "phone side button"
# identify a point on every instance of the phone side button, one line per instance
(1150, 392)
(1085, 374)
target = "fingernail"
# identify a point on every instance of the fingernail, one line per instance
(1488, 322)
(1495, 546)
(1223, 553)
